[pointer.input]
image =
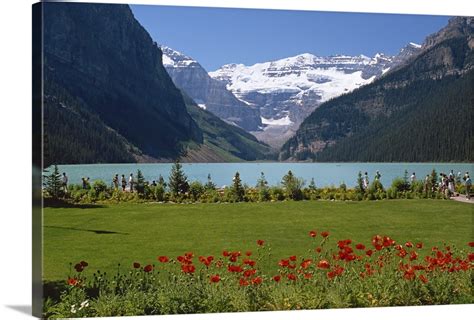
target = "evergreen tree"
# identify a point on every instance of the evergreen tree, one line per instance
(262, 186)
(238, 190)
(178, 182)
(209, 184)
(293, 186)
(262, 181)
(53, 183)
(312, 185)
(162, 182)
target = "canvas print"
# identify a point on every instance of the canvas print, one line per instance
(203, 160)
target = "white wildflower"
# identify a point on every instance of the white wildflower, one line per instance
(84, 304)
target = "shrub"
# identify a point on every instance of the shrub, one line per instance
(158, 192)
(196, 189)
(98, 187)
(277, 194)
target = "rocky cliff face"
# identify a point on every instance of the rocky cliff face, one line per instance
(209, 94)
(100, 54)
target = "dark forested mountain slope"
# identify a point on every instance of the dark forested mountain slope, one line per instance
(107, 96)
(422, 111)
(228, 142)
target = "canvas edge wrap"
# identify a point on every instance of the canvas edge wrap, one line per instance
(37, 159)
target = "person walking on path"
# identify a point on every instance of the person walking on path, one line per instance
(468, 184)
(451, 184)
(377, 175)
(131, 182)
(366, 181)
(64, 182)
(116, 181)
(124, 183)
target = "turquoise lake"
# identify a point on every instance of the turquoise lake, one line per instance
(324, 174)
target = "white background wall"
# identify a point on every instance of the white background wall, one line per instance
(15, 152)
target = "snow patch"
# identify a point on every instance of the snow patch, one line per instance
(277, 122)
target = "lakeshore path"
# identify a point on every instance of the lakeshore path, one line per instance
(462, 198)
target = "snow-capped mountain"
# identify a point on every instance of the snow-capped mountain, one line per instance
(212, 95)
(286, 91)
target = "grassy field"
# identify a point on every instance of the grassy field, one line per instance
(107, 235)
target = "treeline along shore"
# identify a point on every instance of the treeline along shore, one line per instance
(178, 189)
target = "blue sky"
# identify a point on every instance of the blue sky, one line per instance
(215, 37)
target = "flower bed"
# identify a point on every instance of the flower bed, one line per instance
(331, 275)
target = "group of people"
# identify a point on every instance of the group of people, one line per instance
(365, 179)
(122, 181)
(447, 183)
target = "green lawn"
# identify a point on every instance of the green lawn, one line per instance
(124, 233)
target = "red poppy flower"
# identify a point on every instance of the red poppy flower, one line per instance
(305, 264)
(419, 245)
(423, 278)
(225, 253)
(323, 264)
(338, 270)
(318, 249)
(232, 268)
(325, 234)
(398, 247)
(189, 255)
(331, 274)
(408, 244)
(284, 263)
(260, 242)
(360, 246)
(136, 265)
(249, 273)
(188, 268)
(215, 278)
(308, 275)
(249, 262)
(277, 278)
(72, 282)
(369, 253)
(248, 253)
(312, 234)
(387, 242)
(292, 258)
(291, 277)
(402, 253)
(470, 256)
(243, 282)
(164, 259)
(148, 268)
(257, 280)
(413, 256)
(378, 247)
